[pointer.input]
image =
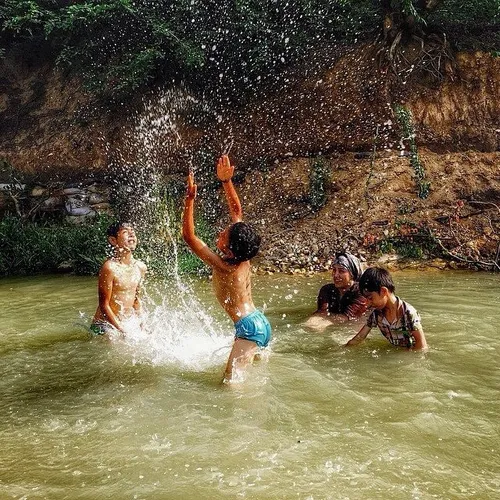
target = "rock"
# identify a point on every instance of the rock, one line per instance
(96, 198)
(380, 223)
(101, 206)
(363, 155)
(38, 191)
(438, 263)
(52, 203)
(65, 266)
(385, 258)
(72, 191)
(94, 188)
(77, 206)
(12, 187)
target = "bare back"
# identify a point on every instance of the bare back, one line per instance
(233, 290)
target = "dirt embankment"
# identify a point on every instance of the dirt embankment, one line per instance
(372, 205)
(331, 109)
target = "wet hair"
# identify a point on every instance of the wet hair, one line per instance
(244, 241)
(374, 278)
(114, 228)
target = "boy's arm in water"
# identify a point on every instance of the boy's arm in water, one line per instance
(105, 288)
(320, 320)
(198, 246)
(420, 342)
(225, 173)
(360, 336)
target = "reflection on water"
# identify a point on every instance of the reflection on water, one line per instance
(148, 418)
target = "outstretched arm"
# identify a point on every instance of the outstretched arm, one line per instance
(360, 336)
(225, 174)
(198, 246)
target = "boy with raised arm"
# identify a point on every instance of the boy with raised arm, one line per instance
(397, 320)
(238, 243)
(120, 278)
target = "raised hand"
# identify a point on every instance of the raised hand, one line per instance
(191, 187)
(224, 169)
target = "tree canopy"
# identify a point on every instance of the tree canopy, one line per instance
(121, 45)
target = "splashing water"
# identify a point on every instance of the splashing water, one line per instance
(178, 335)
(177, 329)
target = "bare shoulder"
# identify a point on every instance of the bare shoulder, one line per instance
(108, 266)
(222, 268)
(107, 271)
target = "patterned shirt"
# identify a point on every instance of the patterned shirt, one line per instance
(399, 331)
(351, 303)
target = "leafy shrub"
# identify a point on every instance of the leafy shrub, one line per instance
(405, 120)
(119, 45)
(409, 240)
(30, 248)
(36, 247)
(318, 179)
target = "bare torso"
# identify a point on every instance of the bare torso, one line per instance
(233, 290)
(126, 280)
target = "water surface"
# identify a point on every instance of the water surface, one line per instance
(148, 418)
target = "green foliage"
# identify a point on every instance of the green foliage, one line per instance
(24, 17)
(405, 120)
(119, 45)
(468, 25)
(318, 179)
(409, 9)
(409, 240)
(229, 46)
(30, 248)
(36, 247)
(475, 12)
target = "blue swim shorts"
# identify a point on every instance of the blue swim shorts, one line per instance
(254, 327)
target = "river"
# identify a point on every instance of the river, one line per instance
(147, 417)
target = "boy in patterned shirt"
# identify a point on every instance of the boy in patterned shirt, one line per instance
(397, 320)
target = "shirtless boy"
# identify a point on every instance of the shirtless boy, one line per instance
(397, 320)
(119, 283)
(238, 243)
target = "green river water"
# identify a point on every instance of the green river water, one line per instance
(147, 417)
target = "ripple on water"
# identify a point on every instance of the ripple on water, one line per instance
(147, 416)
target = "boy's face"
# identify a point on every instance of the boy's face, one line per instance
(341, 276)
(377, 300)
(126, 239)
